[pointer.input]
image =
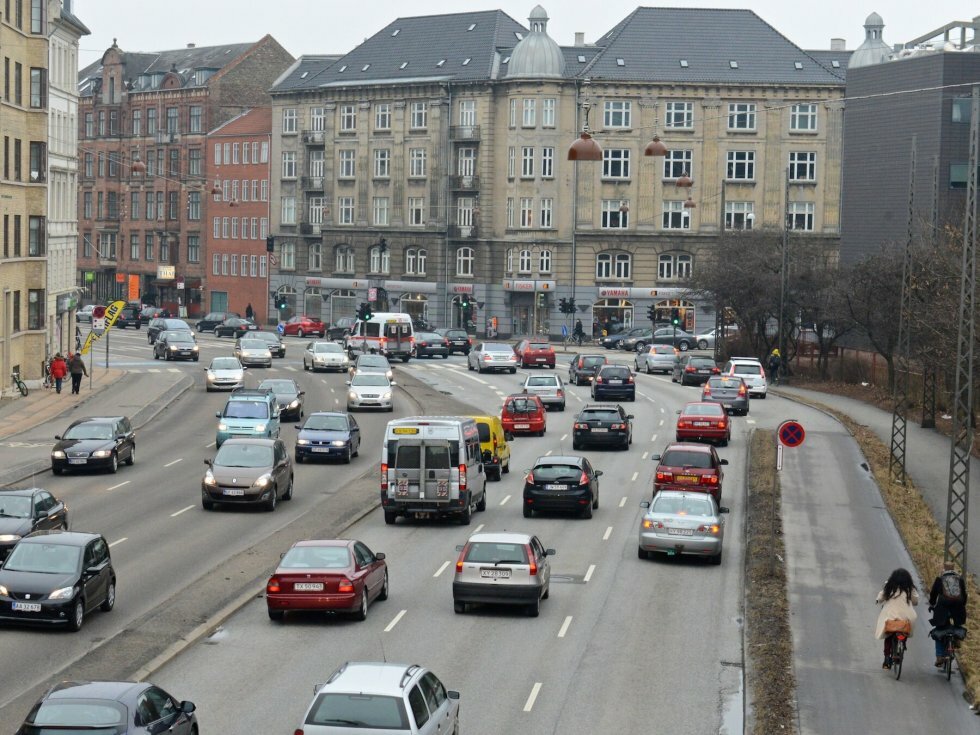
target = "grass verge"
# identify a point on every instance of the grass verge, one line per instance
(770, 679)
(922, 535)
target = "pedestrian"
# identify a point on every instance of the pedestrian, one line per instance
(58, 370)
(76, 366)
(578, 333)
(775, 362)
(249, 312)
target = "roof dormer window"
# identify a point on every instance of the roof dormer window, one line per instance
(396, 32)
(797, 65)
(506, 61)
(365, 67)
(519, 35)
(835, 63)
(684, 63)
(403, 65)
(620, 62)
(581, 58)
(472, 26)
(342, 69)
(440, 62)
(304, 75)
(733, 64)
(466, 61)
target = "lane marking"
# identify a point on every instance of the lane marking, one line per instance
(607, 534)
(441, 569)
(118, 541)
(182, 510)
(564, 627)
(126, 482)
(394, 622)
(662, 410)
(635, 475)
(529, 704)
(548, 453)
(506, 498)
(478, 528)
(622, 502)
(644, 455)
(750, 421)
(180, 459)
(208, 446)
(588, 572)
(563, 437)
(653, 438)
(661, 422)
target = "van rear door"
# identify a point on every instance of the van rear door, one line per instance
(398, 337)
(423, 470)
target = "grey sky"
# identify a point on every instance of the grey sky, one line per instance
(329, 26)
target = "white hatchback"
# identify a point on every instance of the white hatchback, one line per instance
(224, 373)
(548, 388)
(751, 371)
(325, 356)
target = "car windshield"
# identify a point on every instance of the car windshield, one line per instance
(316, 557)
(702, 362)
(372, 361)
(486, 552)
(484, 431)
(98, 716)
(683, 505)
(687, 458)
(428, 336)
(747, 369)
(89, 431)
(549, 380)
(566, 472)
(369, 379)
(662, 349)
(361, 711)
(522, 405)
(724, 383)
(326, 423)
(324, 347)
(244, 455)
(246, 410)
(600, 416)
(180, 337)
(703, 409)
(43, 558)
(265, 336)
(279, 387)
(225, 363)
(15, 506)
(253, 344)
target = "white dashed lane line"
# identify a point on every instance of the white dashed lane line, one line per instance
(661, 422)
(394, 622)
(564, 627)
(644, 455)
(588, 573)
(563, 437)
(622, 502)
(171, 464)
(478, 528)
(635, 475)
(750, 421)
(653, 438)
(119, 485)
(182, 510)
(441, 569)
(607, 534)
(506, 498)
(529, 704)
(118, 541)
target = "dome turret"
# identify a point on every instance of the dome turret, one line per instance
(537, 55)
(874, 50)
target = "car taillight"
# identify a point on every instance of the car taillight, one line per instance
(584, 479)
(459, 561)
(706, 392)
(445, 343)
(716, 371)
(383, 340)
(629, 379)
(345, 585)
(598, 379)
(741, 390)
(580, 426)
(647, 523)
(384, 476)
(713, 528)
(487, 358)
(298, 731)
(690, 369)
(683, 422)
(665, 477)
(619, 427)
(469, 340)
(709, 479)
(273, 585)
(462, 477)
(560, 392)
(722, 424)
(532, 565)
(530, 478)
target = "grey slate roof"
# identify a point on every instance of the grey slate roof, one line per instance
(652, 42)
(827, 58)
(304, 72)
(422, 42)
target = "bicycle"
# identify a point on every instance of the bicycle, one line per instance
(48, 381)
(951, 638)
(898, 653)
(18, 383)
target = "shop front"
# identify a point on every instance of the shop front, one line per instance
(410, 297)
(618, 308)
(531, 303)
(328, 298)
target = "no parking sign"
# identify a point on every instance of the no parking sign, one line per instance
(790, 434)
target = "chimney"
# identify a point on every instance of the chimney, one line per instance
(838, 44)
(579, 38)
(190, 45)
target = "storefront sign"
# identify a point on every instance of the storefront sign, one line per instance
(466, 288)
(411, 286)
(166, 272)
(528, 286)
(345, 283)
(134, 288)
(622, 292)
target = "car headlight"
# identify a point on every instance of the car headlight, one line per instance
(210, 378)
(344, 360)
(222, 426)
(338, 443)
(58, 453)
(263, 481)
(209, 478)
(9, 537)
(387, 395)
(294, 404)
(63, 594)
(304, 442)
(259, 428)
(388, 375)
(352, 396)
(102, 453)
(3, 591)
(195, 348)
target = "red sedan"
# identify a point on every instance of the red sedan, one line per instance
(337, 576)
(535, 354)
(688, 466)
(303, 326)
(524, 414)
(704, 421)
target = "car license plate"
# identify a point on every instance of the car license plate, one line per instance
(522, 426)
(36, 606)
(495, 573)
(615, 382)
(308, 586)
(233, 491)
(556, 487)
(77, 460)
(680, 531)
(600, 431)
(540, 359)
(702, 423)
(704, 371)
(321, 449)
(686, 478)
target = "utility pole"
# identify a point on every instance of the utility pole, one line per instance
(780, 340)
(929, 366)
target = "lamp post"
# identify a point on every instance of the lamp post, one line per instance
(780, 340)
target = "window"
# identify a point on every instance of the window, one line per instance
(234, 266)
(134, 205)
(345, 211)
(288, 211)
(381, 211)
(344, 259)
(134, 246)
(148, 246)
(318, 119)
(547, 207)
(665, 268)
(35, 308)
(676, 216)
(289, 164)
(264, 156)
(739, 215)
(174, 162)
(379, 259)
(510, 211)
(151, 121)
(289, 120)
(547, 162)
(252, 271)
(348, 118)
(803, 117)
(196, 119)
(416, 162)
(529, 114)
(288, 253)
(35, 236)
(680, 115)
(419, 115)
(803, 166)
(316, 163)
(224, 265)
(315, 257)
(464, 212)
(527, 213)
(263, 228)
(150, 207)
(382, 163)
(346, 168)
(741, 166)
(172, 120)
(216, 228)
(415, 261)
(527, 162)
(544, 261)
(89, 165)
(382, 116)
(677, 163)
(226, 190)
(37, 19)
(89, 123)
(235, 150)
(255, 228)
(464, 261)
(264, 196)
(193, 249)
(603, 266)
(38, 161)
(234, 228)
(467, 112)
(216, 264)
(416, 211)
(39, 88)
(548, 113)
(615, 163)
(173, 202)
(801, 216)
(741, 116)
(615, 214)
(194, 205)
(524, 261)
(225, 227)
(136, 123)
(673, 266)
(616, 114)
(314, 209)
(511, 162)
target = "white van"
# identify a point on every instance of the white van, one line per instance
(386, 333)
(431, 467)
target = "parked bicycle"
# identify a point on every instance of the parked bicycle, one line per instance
(48, 381)
(18, 383)
(950, 638)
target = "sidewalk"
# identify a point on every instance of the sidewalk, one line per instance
(22, 413)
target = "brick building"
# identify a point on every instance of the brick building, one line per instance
(142, 227)
(238, 166)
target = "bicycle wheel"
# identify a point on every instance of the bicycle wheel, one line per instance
(950, 655)
(22, 387)
(898, 656)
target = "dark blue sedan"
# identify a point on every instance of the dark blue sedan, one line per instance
(328, 435)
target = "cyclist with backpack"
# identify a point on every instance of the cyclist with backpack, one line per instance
(947, 601)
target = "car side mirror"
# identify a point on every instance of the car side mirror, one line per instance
(392, 382)
(550, 552)
(655, 457)
(187, 707)
(452, 694)
(93, 570)
(244, 367)
(678, 412)
(724, 461)
(508, 436)
(208, 463)
(645, 504)
(302, 393)
(630, 416)
(723, 509)
(346, 382)
(598, 473)
(57, 436)
(217, 415)
(459, 547)
(379, 556)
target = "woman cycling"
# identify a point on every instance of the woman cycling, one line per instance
(896, 598)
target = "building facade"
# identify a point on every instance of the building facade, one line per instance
(65, 30)
(238, 164)
(23, 189)
(431, 164)
(144, 196)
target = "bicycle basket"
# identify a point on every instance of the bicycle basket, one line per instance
(898, 625)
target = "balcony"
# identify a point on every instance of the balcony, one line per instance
(309, 228)
(464, 183)
(464, 132)
(313, 137)
(312, 183)
(108, 260)
(162, 137)
(462, 232)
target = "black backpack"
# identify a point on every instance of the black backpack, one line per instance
(952, 589)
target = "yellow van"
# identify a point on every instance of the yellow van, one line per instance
(493, 446)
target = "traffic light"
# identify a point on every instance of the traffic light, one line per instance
(652, 314)
(571, 306)
(541, 300)
(464, 302)
(675, 317)
(281, 302)
(364, 312)
(563, 305)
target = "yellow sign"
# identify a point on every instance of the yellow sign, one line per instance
(112, 312)
(405, 430)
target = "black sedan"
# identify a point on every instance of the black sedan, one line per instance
(178, 345)
(25, 510)
(611, 340)
(340, 328)
(614, 381)
(430, 344)
(289, 396)
(235, 326)
(603, 425)
(328, 434)
(459, 340)
(109, 708)
(693, 370)
(209, 321)
(57, 577)
(99, 442)
(163, 324)
(149, 313)
(562, 483)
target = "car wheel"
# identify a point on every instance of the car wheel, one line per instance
(277, 615)
(642, 553)
(217, 333)
(131, 459)
(640, 346)
(77, 615)
(703, 344)
(534, 609)
(528, 513)
(383, 594)
(110, 597)
(763, 396)
(469, 365)
(347, 456)
(270, 504)
(114, 464)
(390, 517)
(649, 371)
(445, 357)
(595, 502)
(207, 504)
(466, 515)
(300, 333)
(587, 511)
(56, 470)
(362, 611)
(288, 495)
(298, 458)
(547, 592)
(459, 607)
(155, 355)
(482, 504)
(684, 346)
(672, 378)
(716, 559)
